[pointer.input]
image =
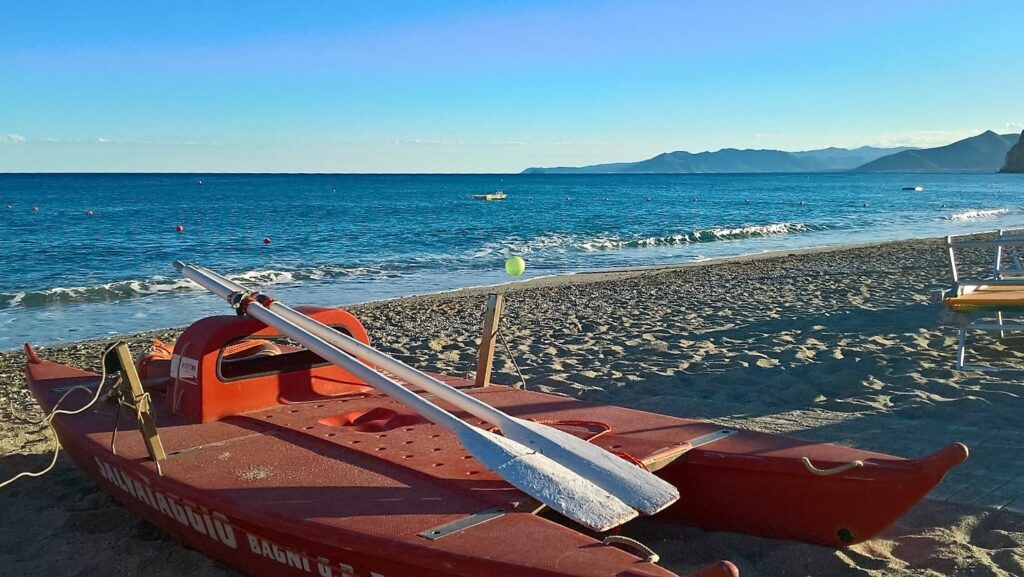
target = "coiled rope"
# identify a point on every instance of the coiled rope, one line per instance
(48, 421)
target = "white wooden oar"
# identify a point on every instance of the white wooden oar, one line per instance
(638, 488)
(530, 471)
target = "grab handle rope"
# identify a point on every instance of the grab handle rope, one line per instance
(48, 421)
(627, 543)
(829, 472)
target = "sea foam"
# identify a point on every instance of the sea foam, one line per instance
(976, 214)
(125, 289)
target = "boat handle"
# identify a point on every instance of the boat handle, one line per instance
(625, 542)
(833, 471)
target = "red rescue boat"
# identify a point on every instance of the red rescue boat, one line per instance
(279, 463)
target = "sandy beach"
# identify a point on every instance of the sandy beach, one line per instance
(837, 345)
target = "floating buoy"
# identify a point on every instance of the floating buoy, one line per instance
(266, 240)
(695, 199)
(9, 205)
(179, 228)
(802, 203)
(88, 213)
(35, 209)
(746, 201)
(865, 205)
(200, 182)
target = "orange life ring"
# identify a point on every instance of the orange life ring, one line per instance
(154, 362)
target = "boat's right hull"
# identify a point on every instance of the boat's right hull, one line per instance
(756, 483)
(787, 501)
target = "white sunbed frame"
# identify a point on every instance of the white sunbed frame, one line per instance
(1007, 270)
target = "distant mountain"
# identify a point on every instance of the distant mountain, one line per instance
(730, 160)
(983, 153)
(1015, 158)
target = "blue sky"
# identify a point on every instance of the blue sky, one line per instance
(307, 86)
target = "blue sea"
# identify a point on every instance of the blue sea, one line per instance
(67, 274)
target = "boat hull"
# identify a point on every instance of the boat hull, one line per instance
(738, 493)
(309, 497)
(750, 482)
(350, 484)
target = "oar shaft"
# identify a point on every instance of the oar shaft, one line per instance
(477, 408)
(321, 347)
(211, 281)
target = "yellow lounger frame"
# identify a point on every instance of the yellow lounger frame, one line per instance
(1001, 292)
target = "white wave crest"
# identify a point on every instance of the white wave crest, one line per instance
(559, 242)
(698, 236)
(125, 289)
(978, 213)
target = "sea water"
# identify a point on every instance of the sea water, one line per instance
(66, 274)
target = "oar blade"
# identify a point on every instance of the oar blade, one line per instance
(547, 481)
(635, 486)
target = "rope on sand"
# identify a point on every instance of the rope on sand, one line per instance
(48, 421)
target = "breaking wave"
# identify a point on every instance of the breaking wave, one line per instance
(978, 213)
(698, 236)
(156, 285)
(555, 245)
(558, 242)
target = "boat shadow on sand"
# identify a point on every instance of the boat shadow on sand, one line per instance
(64, 515)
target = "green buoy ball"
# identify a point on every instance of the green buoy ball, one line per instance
(515, 265)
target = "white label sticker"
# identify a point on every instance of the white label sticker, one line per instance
(187, 369)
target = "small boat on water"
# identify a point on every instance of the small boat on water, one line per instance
(913, 188)
(279, 462)
(498, 195)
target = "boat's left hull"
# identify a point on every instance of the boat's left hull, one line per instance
(292, 490)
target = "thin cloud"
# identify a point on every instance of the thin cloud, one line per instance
(510, 143)
(428, 142)
(19, 139)
(582, 143)
(924, 138)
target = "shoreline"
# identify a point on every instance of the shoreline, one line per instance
(548, 280)
(583, 277)
(833, 344)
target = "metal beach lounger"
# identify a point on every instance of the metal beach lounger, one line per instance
(1001, 291)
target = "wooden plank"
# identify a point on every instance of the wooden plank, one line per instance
(147, 425)
(485, 357)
